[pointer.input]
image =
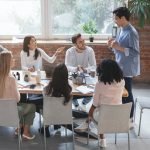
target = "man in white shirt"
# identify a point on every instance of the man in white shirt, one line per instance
(80, 58)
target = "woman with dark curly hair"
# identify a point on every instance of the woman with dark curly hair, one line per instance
(108, 90)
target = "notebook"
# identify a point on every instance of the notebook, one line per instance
(85, 89)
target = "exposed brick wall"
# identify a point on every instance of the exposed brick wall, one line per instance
(101, 52)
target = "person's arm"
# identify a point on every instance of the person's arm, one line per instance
(92, 61)
(53, 58)
(133, 45)
(91, 112)
(15, 91)
(47, 57)
(69, 61)
(23, 61)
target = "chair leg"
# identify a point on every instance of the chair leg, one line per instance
(73, 137)
(115, 138)
(140, 122)
(40, 121)
(135, 108)
(66, 130)
(88, 133)
(128, 141)
(19, 138)
(45, 146)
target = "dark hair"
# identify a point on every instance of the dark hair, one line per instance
(75, 37)
(122, 11)
(26, 42)
(59, 85)
(109, 71)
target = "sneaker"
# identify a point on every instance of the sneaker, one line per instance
(82, 128)
(82, 108)
(131, 125)
(102, 143)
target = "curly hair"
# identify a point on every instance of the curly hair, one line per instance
(109, 71)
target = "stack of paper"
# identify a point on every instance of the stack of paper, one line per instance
(84, 89)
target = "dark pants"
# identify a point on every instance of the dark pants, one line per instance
(128, 86)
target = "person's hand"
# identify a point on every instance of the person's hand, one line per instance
(115, 44)
(59, 50)
(109, 42)
(31, 69)
(89, 119)
(81, 69)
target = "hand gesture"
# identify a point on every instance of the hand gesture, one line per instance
(31, 69)
(109, 42)
(59, 50)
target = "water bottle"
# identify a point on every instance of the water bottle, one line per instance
(38, 77)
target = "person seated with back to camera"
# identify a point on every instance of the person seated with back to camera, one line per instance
(108, 90)
(31, 60)
(58, 87)
(9, 91)
(80, 58)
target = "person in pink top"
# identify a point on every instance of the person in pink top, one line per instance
(108, 90)
(9, 91)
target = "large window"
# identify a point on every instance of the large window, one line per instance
(54, 18)
(20, 17)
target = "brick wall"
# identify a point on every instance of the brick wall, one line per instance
(101, 52)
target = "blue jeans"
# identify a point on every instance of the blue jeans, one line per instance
(128, 86)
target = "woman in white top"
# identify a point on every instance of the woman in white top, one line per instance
(31, 56)
(9, 91)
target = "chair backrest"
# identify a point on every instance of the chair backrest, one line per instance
(9, 113)
(55, 112)
(114, 118)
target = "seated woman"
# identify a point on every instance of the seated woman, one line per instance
(31, 55)
(108, 90)
(8, 90)
(59, 85)
(31, 60)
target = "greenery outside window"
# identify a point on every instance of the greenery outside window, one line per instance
(51, 19)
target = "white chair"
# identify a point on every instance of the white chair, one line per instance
(113, 119)
(9, 115)
(143, 103)
(55, 113)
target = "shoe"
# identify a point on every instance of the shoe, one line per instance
(102, 143)
(28, 137)
(56, 127)
(131, 125)
(82, 128)
(82, 108)
(16, 131)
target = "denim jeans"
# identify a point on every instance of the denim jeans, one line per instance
(128, 86)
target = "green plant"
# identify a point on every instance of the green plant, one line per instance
(140, 9)
(90, 27)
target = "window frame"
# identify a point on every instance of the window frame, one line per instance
(46, 34)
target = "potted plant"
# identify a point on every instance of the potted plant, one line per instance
(140, 9)
(90, 28)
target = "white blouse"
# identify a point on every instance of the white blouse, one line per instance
(29, 61)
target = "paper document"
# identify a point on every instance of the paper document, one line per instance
(24, 83)
(84, 89)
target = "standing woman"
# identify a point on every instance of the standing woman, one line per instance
(9, 91)
(31, 55)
